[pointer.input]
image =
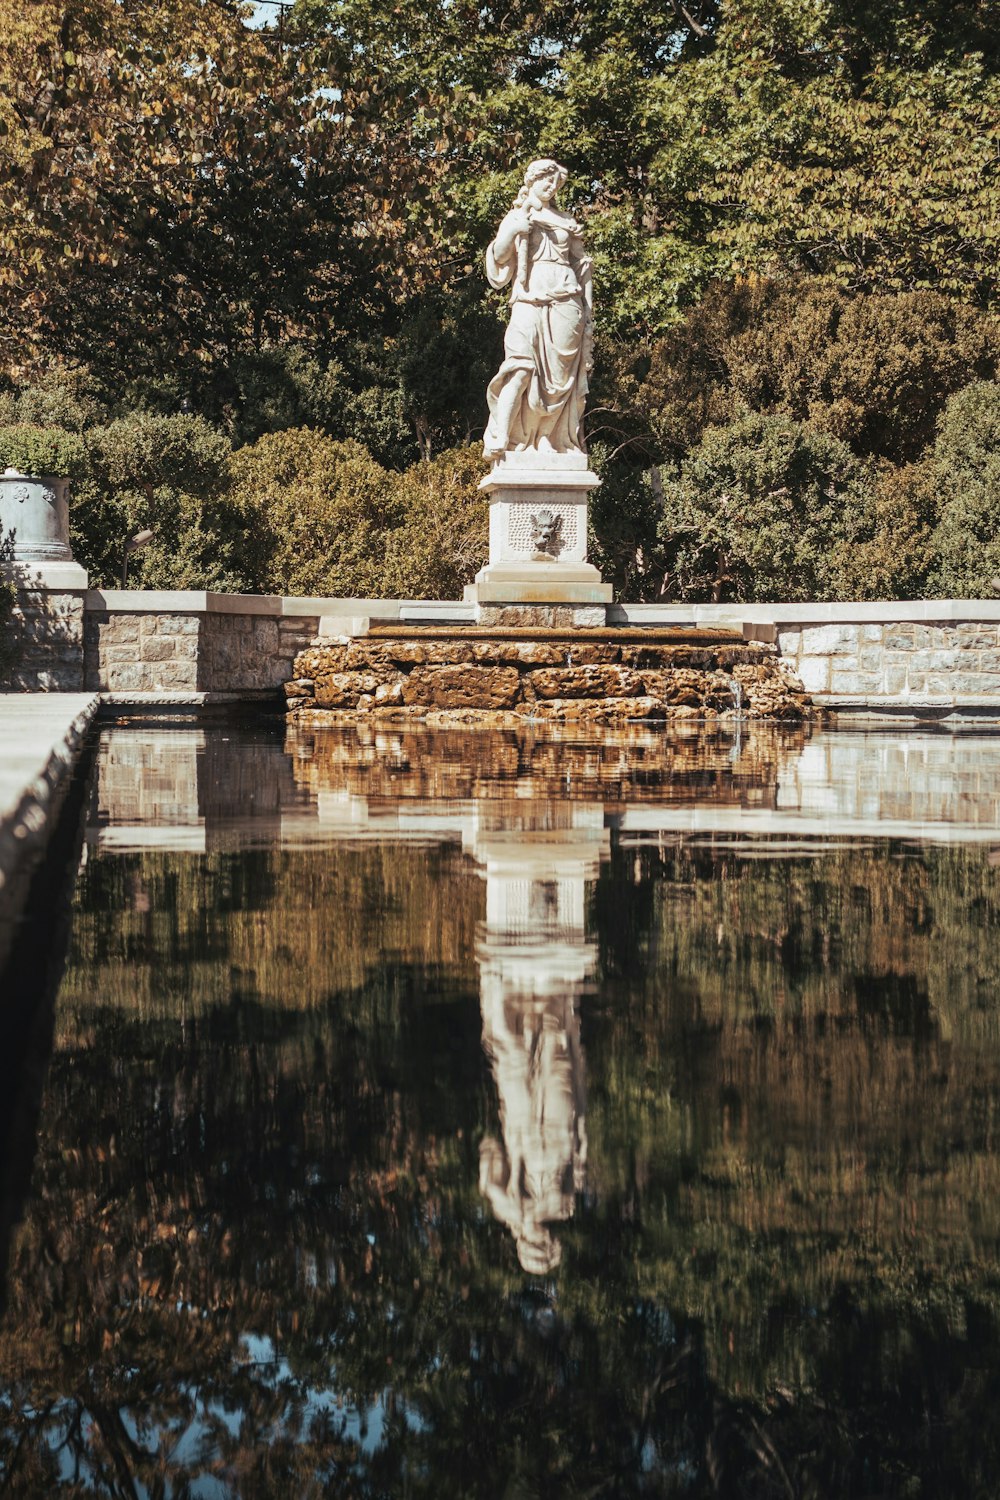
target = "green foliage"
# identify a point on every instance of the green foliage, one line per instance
(442, 538)
(754, 509)
(966, 466)
(891, 549)
(166, 473)
(280, 386)
(169, 189)
(625, 512)
(60, 396)
(313, 514)
(443, 359)
(319, 516)
(875, 371)
(40, 450)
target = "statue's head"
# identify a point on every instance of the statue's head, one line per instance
(545, 176)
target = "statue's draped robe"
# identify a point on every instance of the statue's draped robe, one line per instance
(545, 337)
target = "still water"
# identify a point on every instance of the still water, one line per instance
(517, 1115)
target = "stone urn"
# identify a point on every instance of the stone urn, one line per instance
(35, 507)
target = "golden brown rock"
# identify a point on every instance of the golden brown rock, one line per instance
(591, 654)
(702, 657)
(357, 656)
(462, 687)
(343, 689)
(597, 710)
(439, 653)
(518, 653)
(481, 676)
(586, 682)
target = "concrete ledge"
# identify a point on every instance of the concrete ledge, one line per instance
(204, 602)
(191, 699)
(809, 613)
(50, 577)
(41, 736)
(916, 708)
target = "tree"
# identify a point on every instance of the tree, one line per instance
(874, 370)
(168, 189)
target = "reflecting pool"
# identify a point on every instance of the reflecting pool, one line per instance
(513, 1114)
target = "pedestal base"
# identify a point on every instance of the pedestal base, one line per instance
(538, 572)
(539, 593)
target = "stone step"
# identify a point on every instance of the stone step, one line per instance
(671, 635)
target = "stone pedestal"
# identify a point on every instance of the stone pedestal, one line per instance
(538, 571)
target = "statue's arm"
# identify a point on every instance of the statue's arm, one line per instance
(582, 265)
(501, 257)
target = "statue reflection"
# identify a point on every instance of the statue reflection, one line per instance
(535, 962)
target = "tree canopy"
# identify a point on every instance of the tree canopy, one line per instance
(793, 209)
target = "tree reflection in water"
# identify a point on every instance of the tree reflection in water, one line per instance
(255, 1259)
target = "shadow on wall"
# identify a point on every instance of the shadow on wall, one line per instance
(34, 940)
(41, 630)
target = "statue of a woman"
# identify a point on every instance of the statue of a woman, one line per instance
(537, 397)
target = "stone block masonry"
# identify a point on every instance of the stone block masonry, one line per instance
(924, 659)
(190, 643)
(47, 642)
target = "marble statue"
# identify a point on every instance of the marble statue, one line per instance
(536, 398)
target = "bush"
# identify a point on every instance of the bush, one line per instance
(443, 537)
(890, 553)
(754, 510)
(966, 464)
(170, 474)
(313, 513)
(41, 450)
(65, 396)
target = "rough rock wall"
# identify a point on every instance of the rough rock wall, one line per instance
(597, 682)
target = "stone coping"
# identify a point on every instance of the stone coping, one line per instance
(40, 738)
(198, 601)
(157, 698)
(809, 612)
(205, 602)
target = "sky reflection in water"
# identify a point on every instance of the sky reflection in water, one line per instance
(516, 1114)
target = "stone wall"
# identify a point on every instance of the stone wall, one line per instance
(908, 655)
(46, 630)
(191, 643)
(897, 658)
(925, 654)
(471, 675)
